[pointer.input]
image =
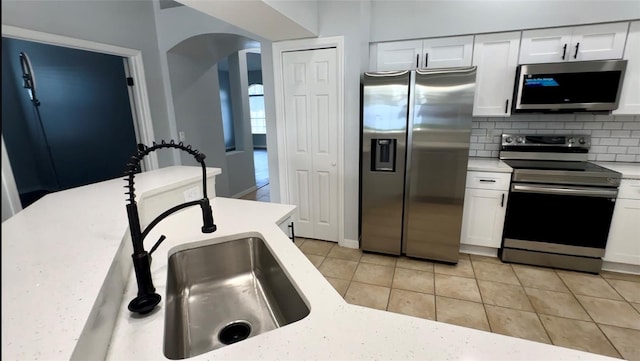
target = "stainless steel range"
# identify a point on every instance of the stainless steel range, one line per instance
(560, 205)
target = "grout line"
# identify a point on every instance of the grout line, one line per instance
(616, 290)
(610, 341)
(574, 295)
(393, 274)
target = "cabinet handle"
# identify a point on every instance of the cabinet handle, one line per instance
(502, 201)
(426, 60)
(488, 180)
(293, 234)
(506, 106)
(575, 56)
(417, 60)
(564, 51)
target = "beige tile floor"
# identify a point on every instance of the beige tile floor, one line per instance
(594, 313)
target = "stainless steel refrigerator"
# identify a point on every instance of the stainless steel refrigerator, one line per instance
(415, 134)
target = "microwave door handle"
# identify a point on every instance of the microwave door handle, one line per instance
(597, 192)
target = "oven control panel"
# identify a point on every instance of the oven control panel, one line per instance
(582, 141)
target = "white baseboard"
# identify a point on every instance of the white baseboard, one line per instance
(245, 192)
(479, 250)
(621, 267)
(350, 243)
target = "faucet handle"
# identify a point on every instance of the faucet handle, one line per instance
(155, 246)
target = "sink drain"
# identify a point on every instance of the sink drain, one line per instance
(234, 332)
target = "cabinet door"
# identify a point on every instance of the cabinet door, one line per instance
(399, 55)
(286, 227)
(598, 42)
(545, 46)
(483, 217)
(496, 56)
(447, 52)
(623, 245)
(630, 96)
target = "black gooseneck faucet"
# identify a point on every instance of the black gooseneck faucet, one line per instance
(147, 298)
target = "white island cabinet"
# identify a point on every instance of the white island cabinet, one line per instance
(287, 227)
(623, 244)
(84, 314)
(485, 203)
(579, 43)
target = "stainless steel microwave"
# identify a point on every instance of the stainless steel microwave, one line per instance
(590, 86)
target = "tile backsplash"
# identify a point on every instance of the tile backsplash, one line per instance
(614, 138)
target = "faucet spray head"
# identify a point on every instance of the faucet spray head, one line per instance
(207, 217)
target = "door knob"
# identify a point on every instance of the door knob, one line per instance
(333, 164)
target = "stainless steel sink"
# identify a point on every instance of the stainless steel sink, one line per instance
(224, 293)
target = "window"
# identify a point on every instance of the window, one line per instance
(256, 107)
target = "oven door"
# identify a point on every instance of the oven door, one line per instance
(559, 219)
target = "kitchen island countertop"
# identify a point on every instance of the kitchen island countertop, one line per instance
(39, 259)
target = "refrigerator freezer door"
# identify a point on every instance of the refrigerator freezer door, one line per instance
(437, 162)
(384, 131)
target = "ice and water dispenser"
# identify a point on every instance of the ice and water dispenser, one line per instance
(383, 157)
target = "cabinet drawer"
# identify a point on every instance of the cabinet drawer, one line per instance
(629, 189)
(488, 180)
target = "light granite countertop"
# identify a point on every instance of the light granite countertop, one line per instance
(488, 165)
(628, 170)
(65, 257)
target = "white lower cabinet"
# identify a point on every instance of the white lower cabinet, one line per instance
(485, 203)
(623, 244)
(287, 227)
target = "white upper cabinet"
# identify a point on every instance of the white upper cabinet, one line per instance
(447, 52)
(398, 55)
(579, 43)
(545, 45)
(496, 56)
(427, 53)
(630, 95)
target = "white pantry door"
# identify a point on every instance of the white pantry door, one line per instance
(311, 128)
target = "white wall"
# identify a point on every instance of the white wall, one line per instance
(260, 17)
(194, 85)
(406, 19)
(129, 24)
(351, 20)
(193, 43)
(10, 201)
(303, 12)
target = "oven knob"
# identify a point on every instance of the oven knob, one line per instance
(508, 139)
(582, 141)
(571, 140)
(519, 140)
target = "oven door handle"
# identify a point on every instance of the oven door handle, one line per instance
(574, 191)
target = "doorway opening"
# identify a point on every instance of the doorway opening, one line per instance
(67, 117)
(258, 124)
